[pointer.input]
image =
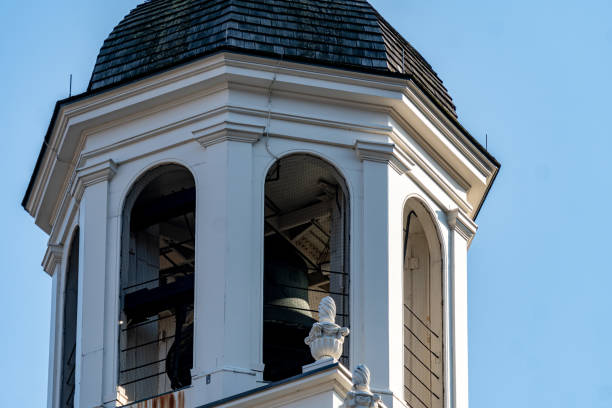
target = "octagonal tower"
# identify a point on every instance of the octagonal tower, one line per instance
(231, 164)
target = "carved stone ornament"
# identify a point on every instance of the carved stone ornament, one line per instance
(360, 395)
(326, 338)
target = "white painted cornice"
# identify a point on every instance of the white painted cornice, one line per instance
(49, 161)
(449, 143)
(53, 257)
(438, 175)
(450, 130)
(91, 175)
(384, 153)
(461, 224)
(78, 118)
(228, 131)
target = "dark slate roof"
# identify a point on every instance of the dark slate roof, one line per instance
(350, 34)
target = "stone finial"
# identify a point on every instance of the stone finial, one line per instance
(326, 338)
(361, 378)
(327, 310)
(360, 395)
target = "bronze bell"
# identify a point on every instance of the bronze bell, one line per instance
(286, 285)
(287, 312)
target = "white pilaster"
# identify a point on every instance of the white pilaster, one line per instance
(111, 326)
(376, 291)
(52, 264)
(461, 230)
(91, 190)
(225, 360)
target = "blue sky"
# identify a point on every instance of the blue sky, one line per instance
(534, 76)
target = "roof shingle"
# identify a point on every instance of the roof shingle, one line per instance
(161, 34)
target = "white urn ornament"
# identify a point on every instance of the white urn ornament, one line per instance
(360, 395)
(326, 338)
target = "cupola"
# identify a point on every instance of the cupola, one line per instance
(252, 199)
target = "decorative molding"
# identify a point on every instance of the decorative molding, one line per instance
(91, 175)
(409, 133)
(228, 131)
(448, 129)
(333, 378)
(53, 257)
(60, 228)
(368, 90)
(461, 223)
(384, 153)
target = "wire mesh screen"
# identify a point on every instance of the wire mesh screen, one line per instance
(305, 259)
(156, 338)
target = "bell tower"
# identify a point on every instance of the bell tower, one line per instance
(251, 200)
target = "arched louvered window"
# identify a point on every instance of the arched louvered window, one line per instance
(423, 347)
(157, 280)
(306, 243)
(71, 292)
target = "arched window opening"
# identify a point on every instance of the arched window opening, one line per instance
(70, 324)
(423, 368)
(157, 280)
(306, 244)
